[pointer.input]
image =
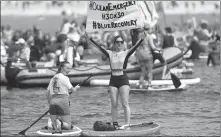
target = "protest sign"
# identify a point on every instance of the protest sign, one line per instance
(113, 15)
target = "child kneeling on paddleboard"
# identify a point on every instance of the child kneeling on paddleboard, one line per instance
(57, 95)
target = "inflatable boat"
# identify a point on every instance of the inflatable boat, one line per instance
(42, 76)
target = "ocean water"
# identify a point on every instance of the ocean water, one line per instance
(192, 112)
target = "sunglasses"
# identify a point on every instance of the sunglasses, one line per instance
(119, 42)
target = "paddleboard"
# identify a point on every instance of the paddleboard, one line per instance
(160, 88)
(139, 130)
(203, 57)
(105, 82)
(75, 131)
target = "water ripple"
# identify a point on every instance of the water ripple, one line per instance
(176, 112)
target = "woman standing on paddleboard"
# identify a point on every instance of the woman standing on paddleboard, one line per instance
(146, 54)
(58, 98)
(119, 82)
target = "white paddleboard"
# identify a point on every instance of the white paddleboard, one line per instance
(160, 88)
(105, 82)
(75, 131)
(136, 130)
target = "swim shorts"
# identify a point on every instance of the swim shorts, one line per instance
(59, 105)
(118, 81)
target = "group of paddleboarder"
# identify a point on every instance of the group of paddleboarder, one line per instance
(119, 87)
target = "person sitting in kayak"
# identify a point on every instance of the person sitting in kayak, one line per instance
(119, 82)
(58, 97)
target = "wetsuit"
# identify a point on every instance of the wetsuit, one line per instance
(168, 41)
(118, 64)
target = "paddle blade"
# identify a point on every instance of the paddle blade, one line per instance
(22, 132)
(176, 80)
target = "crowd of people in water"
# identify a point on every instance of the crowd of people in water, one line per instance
(36, 45)
(68, 46)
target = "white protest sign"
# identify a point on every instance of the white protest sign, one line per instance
(113, 15)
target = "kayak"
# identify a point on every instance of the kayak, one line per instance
(75, 131)
(104, 82)
(136, 130)
(159, 88)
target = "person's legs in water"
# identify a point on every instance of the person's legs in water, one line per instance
(114, 94)
(209, 59)
(124, 95)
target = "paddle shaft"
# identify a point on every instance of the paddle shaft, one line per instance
(23, 131)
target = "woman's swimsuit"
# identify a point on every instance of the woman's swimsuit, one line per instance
(118, 64)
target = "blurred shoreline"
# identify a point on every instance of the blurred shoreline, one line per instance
(79, 8)
(44, 22)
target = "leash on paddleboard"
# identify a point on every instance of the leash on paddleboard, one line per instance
(23, 131)
(141, 124)
(136, 125)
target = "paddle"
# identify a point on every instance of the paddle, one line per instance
(23, 131)
(175, 79)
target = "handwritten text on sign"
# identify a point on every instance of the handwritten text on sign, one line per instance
(113, 15)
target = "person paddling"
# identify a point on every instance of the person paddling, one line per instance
(146, 54)
(58, 98)
(119, 81)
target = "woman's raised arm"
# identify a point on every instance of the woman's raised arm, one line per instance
(98, 46)
(133, 48)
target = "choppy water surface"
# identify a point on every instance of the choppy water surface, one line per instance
(193, 112)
